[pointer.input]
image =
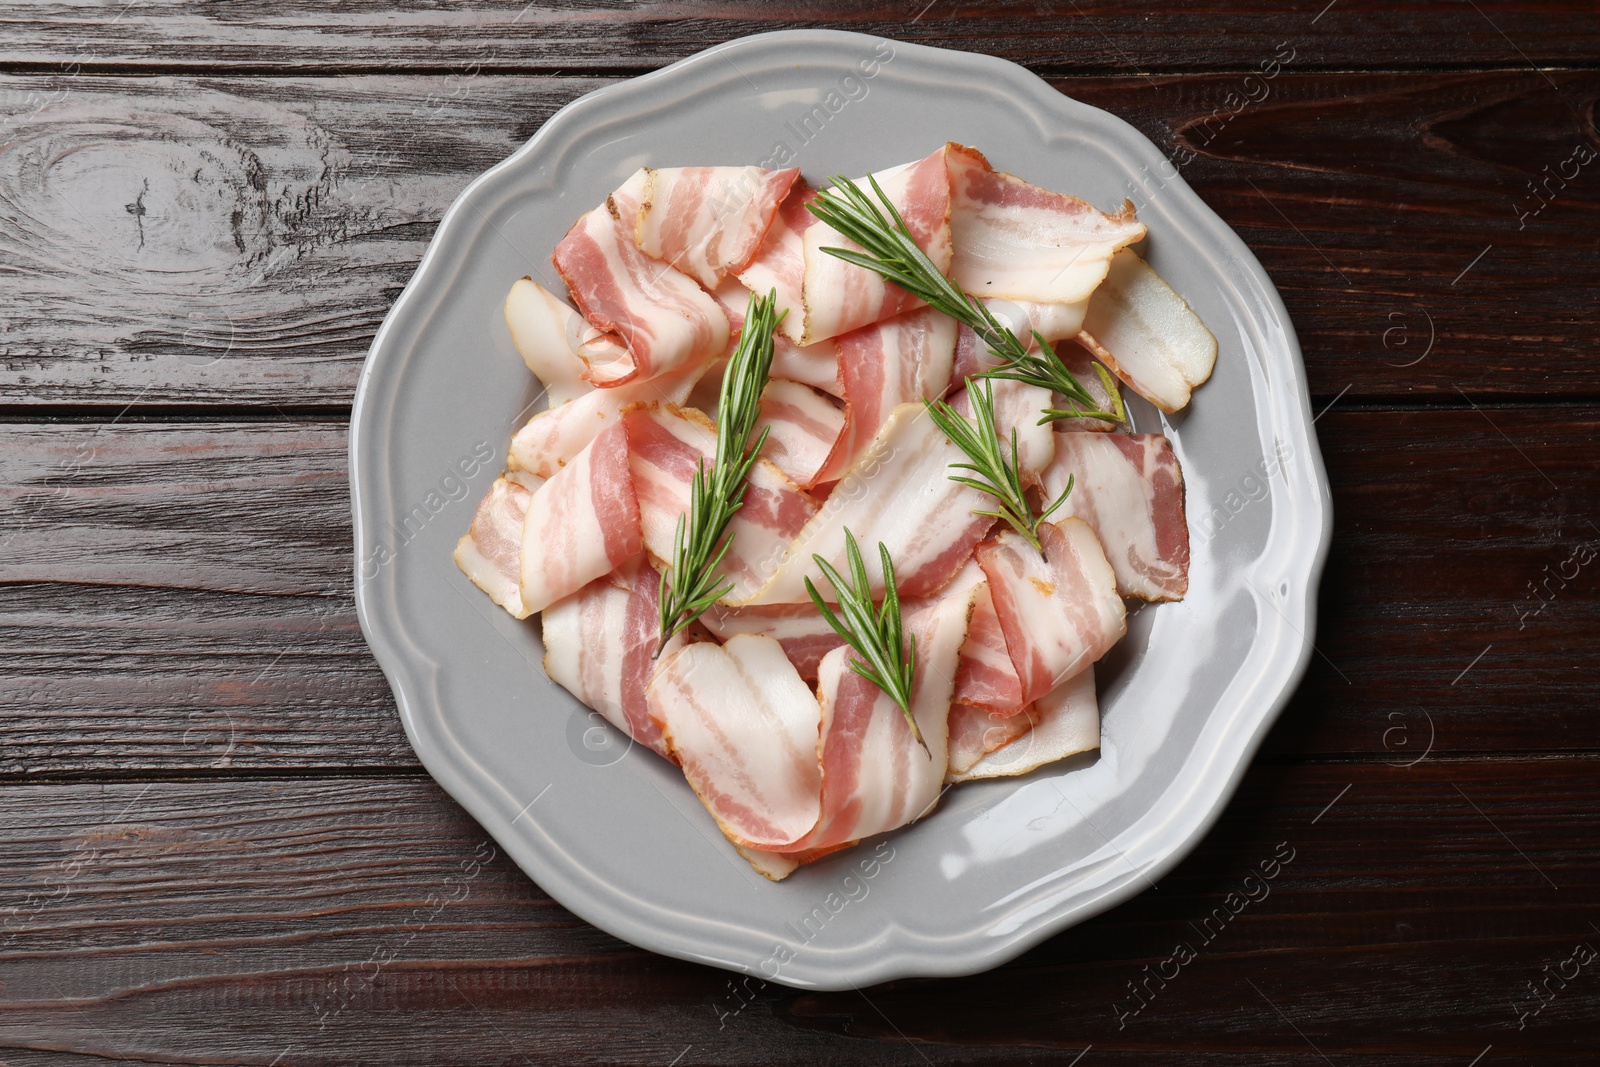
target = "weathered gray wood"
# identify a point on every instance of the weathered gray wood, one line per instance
(1094, 36)
(339, 921)
(238, 241)
(180, 599)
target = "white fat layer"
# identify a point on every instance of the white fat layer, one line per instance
(1155, 341)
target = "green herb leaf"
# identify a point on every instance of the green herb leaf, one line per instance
(996, 473)
(887, 660)
(691, 584)
(891, 252)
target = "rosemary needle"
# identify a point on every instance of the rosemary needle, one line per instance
(892, 252)
(887, 660)
(691, 584)
(993, 471)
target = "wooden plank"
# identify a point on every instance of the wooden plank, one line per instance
(178, 597)
(180, 600)
(1393, 915)
(1096, 36)
(225, 242)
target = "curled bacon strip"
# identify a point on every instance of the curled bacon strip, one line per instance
(666, 321)
(581, 524)
(599, 643)
(1017, 241)
(490, 553)
(744, 727)
(708, 221)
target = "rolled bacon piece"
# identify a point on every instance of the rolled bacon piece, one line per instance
(1139, 327)
(1060, 612)
(666, 320)
(490, 553)
(600, 643)
(708, 222)
(555, 342)
(803, 427)
(1062, 723)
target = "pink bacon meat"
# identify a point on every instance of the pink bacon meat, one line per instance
(491, 551)
(903, 359)
(1016, 241)
(875, 776)
(600, 643)
(581, 524)
(803, 429)
(1059, 612)
(897, 492)
(744, 727)
(667, 446)
(837, 297)
(708, 222)
(1129, 488)
(666, 321)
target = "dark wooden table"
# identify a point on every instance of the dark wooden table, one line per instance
(216, 846)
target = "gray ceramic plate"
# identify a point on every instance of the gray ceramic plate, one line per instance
(615, 834)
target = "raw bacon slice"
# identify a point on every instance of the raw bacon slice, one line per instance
(1129, 488)
(1064, 722)
(555, 342)
(666, 321)
(549, 440)
(800, 628)
(975, 732)
(838, 297)
(1018, 406)
(1053, 322)
(708, 221)
(1147, 334)
(600, 643)
(668, 444)
(882, 366)
(1079, 361)
(815, 365)
(744, 726)
(581, 524)
(875, 776)
(1020, 242)
(1059, 612)
(490, 553)
(804, 426)
(898, 492)
(986, 677)
(780, 263)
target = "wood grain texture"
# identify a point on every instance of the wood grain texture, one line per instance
(176, 597)
(339, 921)
(238, 241)
(1096, 36)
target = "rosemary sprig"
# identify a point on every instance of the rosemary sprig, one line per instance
(691, 584)
(893, 253)
(996, 473)
(875, 633)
